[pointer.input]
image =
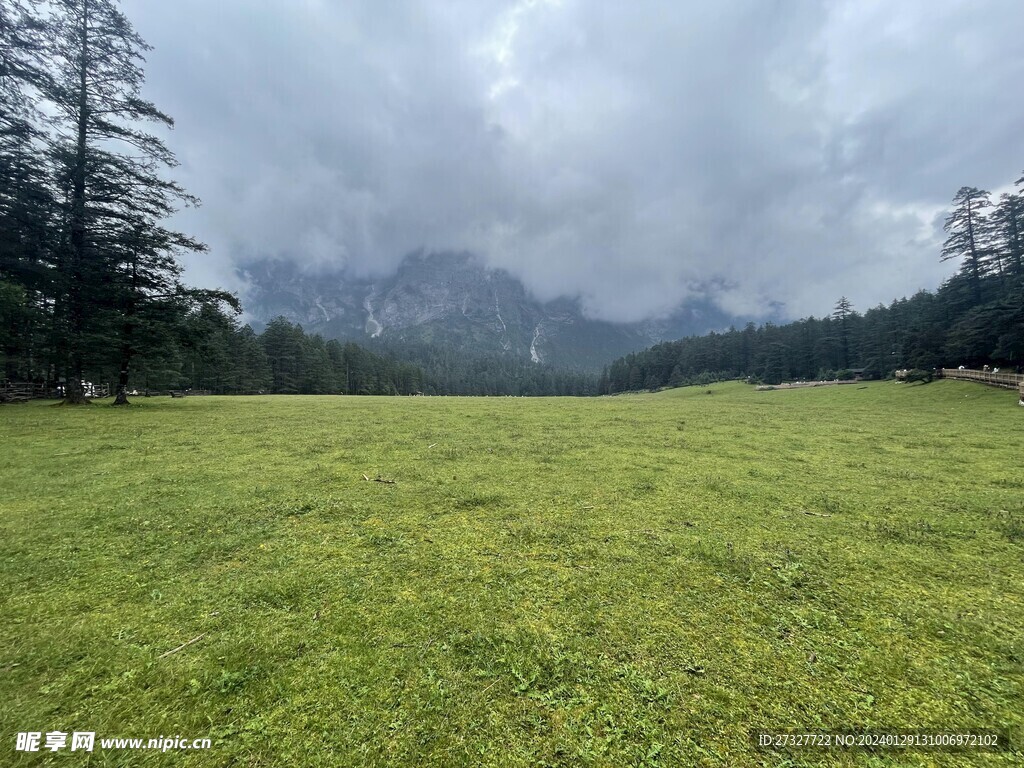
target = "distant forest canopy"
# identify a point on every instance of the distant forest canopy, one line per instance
(212, 353)
(209, 351)
(975, 318)
(450, 371)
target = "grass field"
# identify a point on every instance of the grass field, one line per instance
(638, 580)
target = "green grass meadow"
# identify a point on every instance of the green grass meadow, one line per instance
(629, 581)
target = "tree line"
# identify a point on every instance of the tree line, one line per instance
(212, 352)
(209, 350)
(448, 370)
(975, 318)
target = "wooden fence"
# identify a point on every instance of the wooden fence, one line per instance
(1001, 379)
(19, 392)
(22, 391)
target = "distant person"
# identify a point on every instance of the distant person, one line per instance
(986, 369)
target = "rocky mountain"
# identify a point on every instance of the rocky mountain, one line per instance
(452, 299)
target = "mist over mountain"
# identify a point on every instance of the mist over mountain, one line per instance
(453, 299)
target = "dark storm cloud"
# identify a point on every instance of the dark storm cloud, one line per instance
(629, 153)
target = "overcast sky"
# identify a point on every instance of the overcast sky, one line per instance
(633, 153)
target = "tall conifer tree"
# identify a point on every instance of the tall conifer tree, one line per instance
(969, 238)
(117, 254)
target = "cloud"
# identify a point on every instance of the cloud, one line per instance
(632, 154)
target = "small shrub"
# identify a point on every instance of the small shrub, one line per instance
(917, 374)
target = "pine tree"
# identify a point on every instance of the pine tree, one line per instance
(254, 369)
(1008, 228)
(776, 366)
(111, 169)
(282, 343)
(969, 235)
(843, 312)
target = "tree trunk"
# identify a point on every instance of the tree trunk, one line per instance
(75, 394)
(128, 334)
(122, 388)
(126, 359)
(974, 259)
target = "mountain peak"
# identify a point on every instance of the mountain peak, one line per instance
(453, 299)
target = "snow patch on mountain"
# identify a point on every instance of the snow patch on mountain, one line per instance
(373, 328)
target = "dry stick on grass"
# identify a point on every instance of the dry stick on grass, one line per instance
(183, 645)
(815, 514)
